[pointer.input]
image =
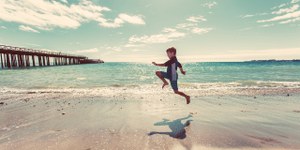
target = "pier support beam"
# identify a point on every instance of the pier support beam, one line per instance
(44, 61)
(48, 61)
(33, 61)
(4, 61)
(8, 61)
(1, 61)
(14, 60)
(40, 61)
(19, 60)
(27, 61)
(22, 60)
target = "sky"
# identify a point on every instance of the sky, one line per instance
(141, 30)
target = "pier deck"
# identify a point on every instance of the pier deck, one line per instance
(16, 57)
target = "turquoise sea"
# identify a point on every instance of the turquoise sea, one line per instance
(248, 74)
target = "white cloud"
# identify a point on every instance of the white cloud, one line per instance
(133, 45)
(157, 38)
(290, 20)
(27, 29)
(286, 4)
(280, 6)
(112, 24)
(286, 10)
(171, 34)
(198, 30)
(247, 16)
(114, 48)
(253, 15)
(132, 19)
(267, 25)
(169, 30)
(121, 19)
(166, 35)
(284, 15)
(210, 4)
(49, 14)
(186, 26)
(132, 57)
(196, 19)
(92, 50)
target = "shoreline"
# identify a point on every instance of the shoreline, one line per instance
(195, 89)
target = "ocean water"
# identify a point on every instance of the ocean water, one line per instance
(214, 74)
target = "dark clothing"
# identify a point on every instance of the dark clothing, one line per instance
(171, 73)
(173, 83)
(172, 65)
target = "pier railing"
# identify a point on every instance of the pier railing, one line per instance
(17, 57)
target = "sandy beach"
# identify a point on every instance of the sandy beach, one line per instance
(121, 118)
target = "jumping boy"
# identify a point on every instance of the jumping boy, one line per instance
(171, 73)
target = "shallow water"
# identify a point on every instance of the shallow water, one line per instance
(135, 74)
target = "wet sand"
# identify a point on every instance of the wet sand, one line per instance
(121, 119)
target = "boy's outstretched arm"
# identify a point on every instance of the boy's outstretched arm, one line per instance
(167, 63)
(156, 64)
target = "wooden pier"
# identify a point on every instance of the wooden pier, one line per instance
(16, 57)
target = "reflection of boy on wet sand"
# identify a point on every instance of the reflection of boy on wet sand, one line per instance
(177, 128)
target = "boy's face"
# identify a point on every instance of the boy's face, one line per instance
(170, 54)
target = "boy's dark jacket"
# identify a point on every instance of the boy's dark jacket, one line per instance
(172, 65)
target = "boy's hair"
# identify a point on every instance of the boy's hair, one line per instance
(171, 50)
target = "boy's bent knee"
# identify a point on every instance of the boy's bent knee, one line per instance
(176, 91)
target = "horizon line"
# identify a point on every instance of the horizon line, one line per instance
(258, 60)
